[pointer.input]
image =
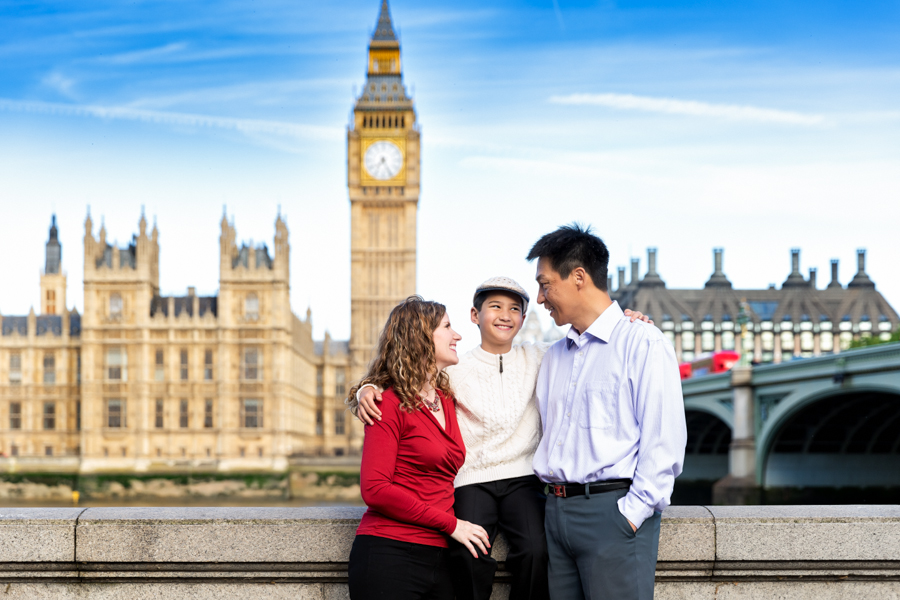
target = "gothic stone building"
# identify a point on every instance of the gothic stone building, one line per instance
(144, 382)
(799, 319)
(229, 382)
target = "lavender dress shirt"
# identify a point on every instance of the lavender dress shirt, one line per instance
(611, 408)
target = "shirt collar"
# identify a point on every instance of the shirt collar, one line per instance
(600, 329)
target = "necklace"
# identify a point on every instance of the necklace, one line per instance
(434, 406)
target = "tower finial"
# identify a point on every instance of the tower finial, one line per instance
(53, 250)
(384, 30)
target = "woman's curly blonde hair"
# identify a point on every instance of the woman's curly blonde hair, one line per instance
(405, 358)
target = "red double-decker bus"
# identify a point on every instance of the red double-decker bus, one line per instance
(716, 362)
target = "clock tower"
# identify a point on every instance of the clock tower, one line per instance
(383, 181)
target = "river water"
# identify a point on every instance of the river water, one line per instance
(179, 502)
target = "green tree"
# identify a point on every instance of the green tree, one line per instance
(874, 340)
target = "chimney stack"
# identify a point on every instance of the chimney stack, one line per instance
(834, 274)
(652, 278)
(795, 279)
(812, 277)
(635, 276)
(861, 279)
(718, 278)
(621, 279)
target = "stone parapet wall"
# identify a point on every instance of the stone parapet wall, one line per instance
(822, 552)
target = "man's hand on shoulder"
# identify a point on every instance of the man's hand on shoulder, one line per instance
(368, 409)
(637, 315)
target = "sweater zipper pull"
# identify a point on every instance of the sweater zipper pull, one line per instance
(501, 363)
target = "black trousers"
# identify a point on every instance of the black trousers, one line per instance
(515, 507)
(385, 568)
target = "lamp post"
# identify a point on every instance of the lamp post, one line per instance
(743, 319)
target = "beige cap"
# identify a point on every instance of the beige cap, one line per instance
(502, 284)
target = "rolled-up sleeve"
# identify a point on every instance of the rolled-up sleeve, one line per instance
(659, 410)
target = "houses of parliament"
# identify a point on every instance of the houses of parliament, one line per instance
(141, 382)
(232, 382)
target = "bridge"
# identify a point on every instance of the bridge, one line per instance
(826, 422)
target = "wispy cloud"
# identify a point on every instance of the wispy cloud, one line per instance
(259, 92)
(733, 112)
(60, 83)
(559, 17)
(150, 54)
(252, 128)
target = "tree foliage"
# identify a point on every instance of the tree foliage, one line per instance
(875, 340)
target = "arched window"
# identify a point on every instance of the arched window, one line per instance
(251, 307)
(115, 305)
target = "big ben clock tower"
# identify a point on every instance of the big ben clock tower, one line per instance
(383, 180)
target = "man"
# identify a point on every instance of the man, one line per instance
(614, 432)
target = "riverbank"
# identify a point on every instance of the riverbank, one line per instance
(313, 483)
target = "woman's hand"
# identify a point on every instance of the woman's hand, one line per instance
(636, 314)
(471, 536)
(368, 409)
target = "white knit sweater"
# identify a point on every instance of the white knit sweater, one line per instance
(497, 413)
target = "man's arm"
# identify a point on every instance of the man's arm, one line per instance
(659, 411)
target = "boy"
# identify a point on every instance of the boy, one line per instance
(496, 488)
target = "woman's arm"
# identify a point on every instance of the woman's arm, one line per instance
(379, 462)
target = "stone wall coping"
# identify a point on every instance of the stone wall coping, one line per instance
(9, 516)
(812, 514)
(205, 515)
(695, 541)
(38, 534)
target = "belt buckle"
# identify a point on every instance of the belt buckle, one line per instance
(559, 490)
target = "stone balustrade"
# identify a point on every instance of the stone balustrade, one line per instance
(716, 552)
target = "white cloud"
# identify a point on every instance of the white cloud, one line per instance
(60, 83)
(128, 58)
(252, 128)
(734, 112)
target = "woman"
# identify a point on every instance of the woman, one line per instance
(410, 459)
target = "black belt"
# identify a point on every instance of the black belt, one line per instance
(565, 490)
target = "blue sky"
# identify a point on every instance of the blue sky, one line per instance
(754, 126)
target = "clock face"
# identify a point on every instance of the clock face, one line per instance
(383, 160)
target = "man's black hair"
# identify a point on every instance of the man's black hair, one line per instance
(573, 246)
(481, 297)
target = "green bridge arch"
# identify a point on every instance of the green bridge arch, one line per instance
(785, 397)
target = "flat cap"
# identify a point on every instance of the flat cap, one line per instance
(503, 284)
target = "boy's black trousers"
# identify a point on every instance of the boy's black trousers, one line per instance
(515, 507)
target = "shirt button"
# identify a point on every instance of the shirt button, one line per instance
(580, 353)
(559, 443)
(551, 471)
(568, 414)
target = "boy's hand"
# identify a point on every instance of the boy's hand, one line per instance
(636, 314)
(368, 409)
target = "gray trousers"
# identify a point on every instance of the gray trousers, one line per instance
(594, 554)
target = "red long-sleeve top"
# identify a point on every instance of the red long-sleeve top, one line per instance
(406, 479)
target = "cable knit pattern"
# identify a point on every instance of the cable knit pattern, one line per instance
(497, 413)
